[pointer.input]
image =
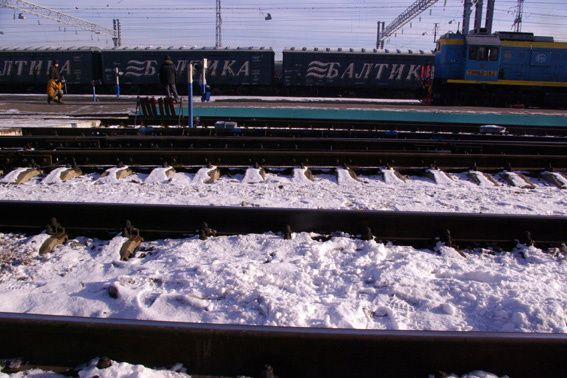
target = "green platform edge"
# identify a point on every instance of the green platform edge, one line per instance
(380, 115)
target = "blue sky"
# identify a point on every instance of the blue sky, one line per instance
(299, 23)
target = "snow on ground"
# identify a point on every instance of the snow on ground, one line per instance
(382, 191)
(265, 280)
(117, 369)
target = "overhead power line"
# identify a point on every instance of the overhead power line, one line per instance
(79, 23)
(406, 16)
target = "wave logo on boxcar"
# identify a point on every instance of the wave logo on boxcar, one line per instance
(375, 71)
(319, 69)
(139, 68)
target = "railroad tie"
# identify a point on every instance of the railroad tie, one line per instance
(119, 173)
(214, 175)
(517, 180)
(70, 174)
(481, 178)
(555, 179)
(305, 172)
(27, 175)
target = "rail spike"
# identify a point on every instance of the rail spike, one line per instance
(130, 246)
(447, 239)
(57, 236)
(287, 232)
(268, 372)
(367, 234)
(205, 231)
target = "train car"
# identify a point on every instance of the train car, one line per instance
(25, 70)
(351, 73)
(500, 69)
(238, 70)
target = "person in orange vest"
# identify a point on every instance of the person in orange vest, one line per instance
(54, 91)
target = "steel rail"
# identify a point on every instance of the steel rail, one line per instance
(339, 125)
(374, 125)
(281, 158)
(470, 146)
(234, 350)
(275, 132)
(173, 220)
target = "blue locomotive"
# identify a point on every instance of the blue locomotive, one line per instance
(500, 69)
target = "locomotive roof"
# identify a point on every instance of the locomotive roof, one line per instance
(480, 39)
(185, 48)
(328, 50)
(499, 35)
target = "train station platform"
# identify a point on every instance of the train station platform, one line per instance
(411, 115)
(234, 108)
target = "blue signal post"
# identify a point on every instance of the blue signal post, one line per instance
(190, 95)
(117, 74)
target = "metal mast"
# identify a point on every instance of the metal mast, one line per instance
(466, 16)
(79, 23)
(478, 16)
(489, 16)
(406, 16)
(218, 41)
(517, 25)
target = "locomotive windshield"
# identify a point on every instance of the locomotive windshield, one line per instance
(483, 53)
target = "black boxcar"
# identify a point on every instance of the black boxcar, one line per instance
(229, 70)
(349, 72)
(25, 70)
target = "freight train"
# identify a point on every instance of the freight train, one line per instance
(503, 68)
(244, 71)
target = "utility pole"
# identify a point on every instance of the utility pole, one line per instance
(517, 25)
(117, 39)
(435, 27)
(379, 31)
(218, 34)
(79, 23)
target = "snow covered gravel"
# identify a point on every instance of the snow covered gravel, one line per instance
(265, 280)
(453, 193)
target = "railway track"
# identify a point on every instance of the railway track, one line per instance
(237, 142)
(329, 125)
(310, 148)
(398, 126)
(231, 350)
(391, 133)
(163, 221)
(446, 161)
